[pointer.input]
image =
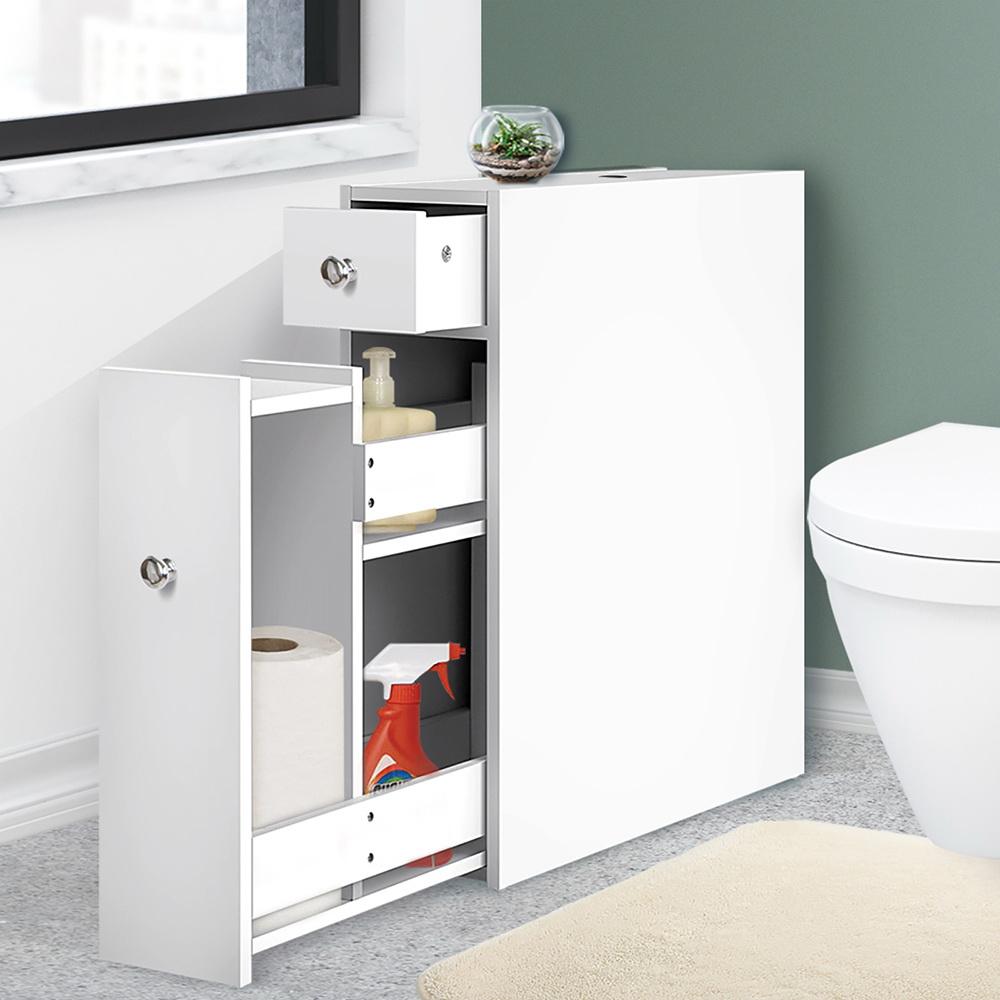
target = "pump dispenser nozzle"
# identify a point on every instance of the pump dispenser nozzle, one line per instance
(378, 389)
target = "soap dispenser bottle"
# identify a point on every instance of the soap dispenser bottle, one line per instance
(384, 419)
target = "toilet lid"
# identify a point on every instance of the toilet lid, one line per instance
(932, 493)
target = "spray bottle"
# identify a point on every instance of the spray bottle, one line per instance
(394, 753)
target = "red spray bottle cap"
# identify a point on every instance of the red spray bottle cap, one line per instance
(441, 669)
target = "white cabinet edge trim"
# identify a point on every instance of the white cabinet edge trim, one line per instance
(128, 168)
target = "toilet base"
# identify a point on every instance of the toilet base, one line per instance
(930, 673)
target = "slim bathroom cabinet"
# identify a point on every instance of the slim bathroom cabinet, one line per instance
(616, 364)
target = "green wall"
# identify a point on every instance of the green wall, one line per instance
(893, 109)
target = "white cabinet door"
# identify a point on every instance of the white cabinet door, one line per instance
(175, 710)
(644, 508)
(184, 458)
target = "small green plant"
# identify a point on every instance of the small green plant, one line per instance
(517, 140)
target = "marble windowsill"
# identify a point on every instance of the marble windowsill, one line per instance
(128, 168)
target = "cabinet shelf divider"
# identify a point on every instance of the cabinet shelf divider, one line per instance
(453, 524)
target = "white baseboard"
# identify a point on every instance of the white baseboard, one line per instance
(48, 785)
(834, 701)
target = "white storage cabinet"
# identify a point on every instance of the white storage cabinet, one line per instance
(616, 361)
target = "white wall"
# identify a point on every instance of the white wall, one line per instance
(185, 276)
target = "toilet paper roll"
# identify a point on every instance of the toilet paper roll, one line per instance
(298, 722)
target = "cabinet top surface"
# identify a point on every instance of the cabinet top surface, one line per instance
(474, 190)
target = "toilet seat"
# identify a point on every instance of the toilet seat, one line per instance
(918, 578)
(933, 494)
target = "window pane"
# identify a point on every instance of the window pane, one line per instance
(65, 56)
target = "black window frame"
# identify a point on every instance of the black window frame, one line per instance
(332, 90)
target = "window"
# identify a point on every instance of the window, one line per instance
(86, 74)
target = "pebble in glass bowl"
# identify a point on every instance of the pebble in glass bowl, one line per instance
(515, 142)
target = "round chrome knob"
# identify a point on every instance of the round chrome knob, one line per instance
(157, 573)
(338, 272)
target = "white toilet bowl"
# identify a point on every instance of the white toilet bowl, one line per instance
(907, 535)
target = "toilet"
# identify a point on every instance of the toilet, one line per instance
(907, 535)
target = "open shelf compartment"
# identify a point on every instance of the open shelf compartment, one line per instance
(369, 588)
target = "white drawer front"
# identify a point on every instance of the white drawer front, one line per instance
(440, 469)
(331, 850)
(413, 273)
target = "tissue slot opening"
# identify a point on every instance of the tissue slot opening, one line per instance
(267, 644)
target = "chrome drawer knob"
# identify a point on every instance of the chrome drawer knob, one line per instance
(157, 573)
(338, 272)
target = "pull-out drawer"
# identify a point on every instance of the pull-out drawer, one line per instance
(385, 270)
(439, 469)
(267, 483)
(367, 836)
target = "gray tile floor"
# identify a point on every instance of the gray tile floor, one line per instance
(48, 898)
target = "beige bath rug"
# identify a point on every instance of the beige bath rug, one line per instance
(796, 911)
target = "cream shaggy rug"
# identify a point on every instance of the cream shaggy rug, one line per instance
(796, 911)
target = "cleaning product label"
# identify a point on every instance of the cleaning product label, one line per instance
(387, 774)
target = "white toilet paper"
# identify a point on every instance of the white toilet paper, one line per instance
(298, 723)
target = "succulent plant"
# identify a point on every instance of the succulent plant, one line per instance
(517, 141)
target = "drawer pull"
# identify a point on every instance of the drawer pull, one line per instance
(157, 573)
(338, 272)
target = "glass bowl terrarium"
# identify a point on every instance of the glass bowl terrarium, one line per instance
(515, 142)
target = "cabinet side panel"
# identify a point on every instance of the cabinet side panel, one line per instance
(175, 769)
(645, 513)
